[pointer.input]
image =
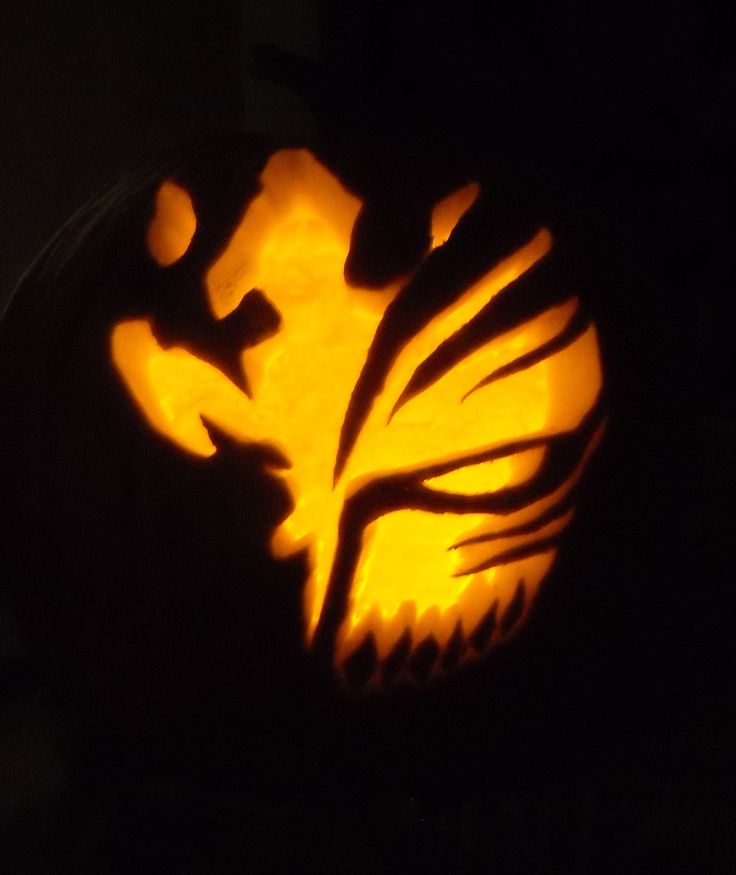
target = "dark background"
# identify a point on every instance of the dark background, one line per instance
(632, 107)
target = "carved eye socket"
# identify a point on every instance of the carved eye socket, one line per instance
(172, 227)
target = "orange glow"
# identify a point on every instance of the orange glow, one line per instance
(172, 227)
(446, 213)
(414, 570)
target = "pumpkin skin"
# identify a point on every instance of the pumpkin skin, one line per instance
(171, 541)
(474, 466)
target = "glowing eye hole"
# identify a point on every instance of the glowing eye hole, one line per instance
(173, 224)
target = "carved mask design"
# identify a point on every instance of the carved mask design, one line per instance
(432, 448)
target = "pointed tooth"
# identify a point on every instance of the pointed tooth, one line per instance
(481, 636)
(423, 658)
(396, 659)
(454, 648)
(514, 610)
(359, 667)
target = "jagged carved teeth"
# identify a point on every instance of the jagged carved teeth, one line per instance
(418, 655)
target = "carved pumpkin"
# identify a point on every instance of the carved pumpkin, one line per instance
(431, 444)
(425, 504)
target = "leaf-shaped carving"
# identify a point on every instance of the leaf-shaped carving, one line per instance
(429, 491)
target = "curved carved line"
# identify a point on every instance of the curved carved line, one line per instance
(536, 538)
(409, 479)
(552, 514)
(401, 491)
(564, 451)
(444, 276)
(575, 328)
(519, 302)
(556, 510)
(524, 551)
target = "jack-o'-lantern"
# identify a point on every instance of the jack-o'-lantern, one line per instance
(431, 444)
(425, 503)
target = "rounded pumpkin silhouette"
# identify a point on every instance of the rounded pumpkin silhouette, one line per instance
(425, 439)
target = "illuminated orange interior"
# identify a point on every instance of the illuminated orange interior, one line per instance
(172, 227)
(292, 243)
